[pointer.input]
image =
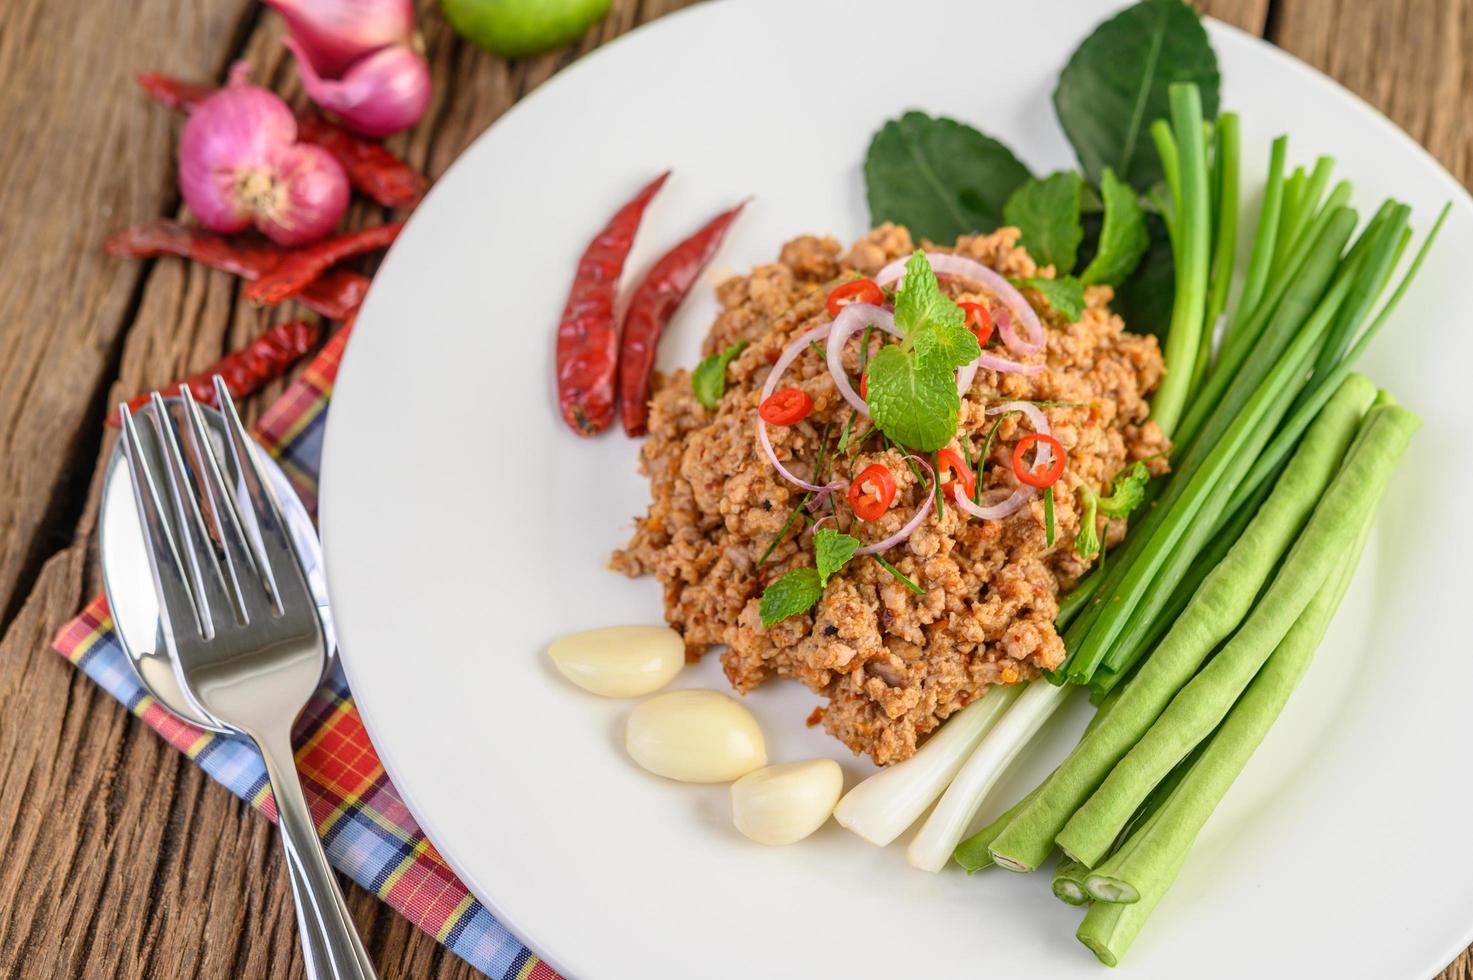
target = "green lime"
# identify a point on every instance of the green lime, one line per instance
(516, 28)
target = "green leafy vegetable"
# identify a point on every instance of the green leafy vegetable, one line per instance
(1065, 294)
(834, 549)
(1047, 213)
(1115, 84)
(1128, 491)
(932, 324)
(1123, 237)
(913, 399)
(899, 575)
(708, 380)
(938, 177)
(796, 592)
(1144, 300)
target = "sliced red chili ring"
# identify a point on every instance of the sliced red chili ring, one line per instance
(872, 492)
(950, 467)
(855, 291)
(1050, 475)
(979, 321)
(786, 406)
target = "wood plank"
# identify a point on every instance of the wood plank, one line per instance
(123, 859)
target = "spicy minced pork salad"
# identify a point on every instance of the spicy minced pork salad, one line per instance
(829, 555)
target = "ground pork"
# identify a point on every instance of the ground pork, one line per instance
(892, 664)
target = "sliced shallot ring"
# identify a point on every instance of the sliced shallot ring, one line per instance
(790, 354)
(910, 526)
(851, 319)
(948, 264)
(1024, 493)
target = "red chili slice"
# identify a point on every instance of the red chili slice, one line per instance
(871, 492)
(1031, 476)
(786, 406)
(950, 467)
(855, 291)
(864, 386)
(979, 321)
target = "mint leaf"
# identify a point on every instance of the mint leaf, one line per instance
(1065, 295)
(939, 178)
(1047, 213)
(834, 550)
(913, 398)
(794, 593)
(932, 323)
(1115, 83)
(1123, 237)
(1128, 492)
(708, 380)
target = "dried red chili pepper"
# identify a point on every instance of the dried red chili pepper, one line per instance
(372, 170)
(335, 295)
(175, 93)
(299, 267)
(652, 304)
(247, 370)
(587, 336)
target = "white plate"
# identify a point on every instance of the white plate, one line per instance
(465, 528)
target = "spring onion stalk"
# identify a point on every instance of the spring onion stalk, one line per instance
(1307, 276)
(1265, 236)
(1198, 708)
(1069, 882)
(1192, 253)
(972, 853)
(1129, 642)
(1321, 390)
(1225, 226)
(1293, 212)
(1150, 867)
(1266, 402)
(1213, 614)
(1307, 204)
(884, 805)
(943, 830)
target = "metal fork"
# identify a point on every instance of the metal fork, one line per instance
(243, 629)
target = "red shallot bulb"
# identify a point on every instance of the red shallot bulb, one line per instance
(333, 34)
(240, 165)
(379, 95)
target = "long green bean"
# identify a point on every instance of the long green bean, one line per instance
(1213, 613)
(1205, 700)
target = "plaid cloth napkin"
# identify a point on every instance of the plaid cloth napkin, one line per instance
(368, 831)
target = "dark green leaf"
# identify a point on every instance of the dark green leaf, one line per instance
(708, 380)
(939, 178)
(1144, 300)
(1123, 237)
(1065, 295)
(1115, 84)
(794, 593)
(913, 399)
(1047, 213)
(833, 550)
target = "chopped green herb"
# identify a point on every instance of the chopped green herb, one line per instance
(1087, 541)
(1128, 491)
(796, 592)
(708, 380)
(1048, 516)
(833, 550)
(936, 468)
(813, 345)
(787, 526)
(843, 446)
(900, 576)
(1046, 211)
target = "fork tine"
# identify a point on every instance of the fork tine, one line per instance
(280, 567)
(212, 600)
(240, 558)
(176, 603)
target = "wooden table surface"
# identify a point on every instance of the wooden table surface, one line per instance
(120, 858)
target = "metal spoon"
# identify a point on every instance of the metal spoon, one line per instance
(135, 611)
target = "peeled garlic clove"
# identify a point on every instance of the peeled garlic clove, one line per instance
(695, 736)
(620, 661)
(783, 804)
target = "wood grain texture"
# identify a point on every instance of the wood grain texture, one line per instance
(122, 859)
